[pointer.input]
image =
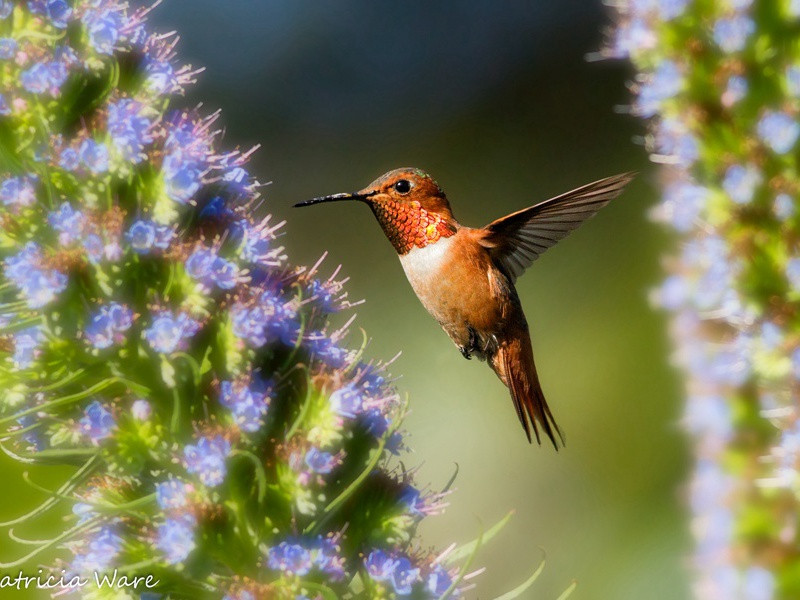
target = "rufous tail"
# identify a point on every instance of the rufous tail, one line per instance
(513, 363)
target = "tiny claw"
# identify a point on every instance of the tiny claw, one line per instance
(465, 352)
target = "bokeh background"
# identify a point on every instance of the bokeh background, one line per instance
(498, 103)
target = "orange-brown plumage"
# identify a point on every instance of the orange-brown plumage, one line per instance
(465, 277)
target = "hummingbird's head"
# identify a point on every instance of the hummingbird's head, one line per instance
(410, 206)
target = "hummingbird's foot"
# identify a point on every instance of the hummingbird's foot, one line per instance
(472, 344)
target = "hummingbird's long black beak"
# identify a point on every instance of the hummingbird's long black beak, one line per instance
(335, 198)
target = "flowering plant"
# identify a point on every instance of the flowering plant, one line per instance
(153, 335)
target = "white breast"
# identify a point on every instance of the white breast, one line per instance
(422, 265)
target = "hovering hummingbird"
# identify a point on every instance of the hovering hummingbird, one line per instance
(465, 277)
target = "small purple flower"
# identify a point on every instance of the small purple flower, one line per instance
(38, 285)
(198, 265)
(731, 33)
(188, 149)
(94, 155)
(98, 423)
(674, 139)
(83, 511)
(101, 550)
(439, 581)
(141, 410)
(164, 235)
(328, 351)
(161, 76)
(5, 109)
(8, 48)
(413, 500)
(168, 332)
(320, 461)
(269, 320)
(326, 558)
(793, 80)
(44, 77)
(784, 206)
(18, 191)
(380, 566)
(26, 345)
(682, 205)
(141, 236)
(248, 404)
(346, 401)
(93, 244)
(58, 12)
(741, 182)
(176, 538)
(68, 159)
(108, 325)
(68, 222)
(672, 9)
(173, 494)
(224, 273)
(6, 7)
(779, 131)
(735, 91)
(257, 247)
(289, 558)
(206, 459)
(104, 28)
(129, 128)
(404, 576)
(793, 273)
(182, 177)
(665, 83)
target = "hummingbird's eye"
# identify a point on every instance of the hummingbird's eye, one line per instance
(403, 186)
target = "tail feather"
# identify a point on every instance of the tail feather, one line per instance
(513, 363)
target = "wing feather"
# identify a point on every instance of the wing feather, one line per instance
(520, 238)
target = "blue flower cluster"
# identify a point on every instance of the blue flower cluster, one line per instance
(153, 336)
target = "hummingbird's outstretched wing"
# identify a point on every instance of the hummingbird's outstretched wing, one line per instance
(515, 241)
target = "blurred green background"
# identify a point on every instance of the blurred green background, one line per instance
(500, 106)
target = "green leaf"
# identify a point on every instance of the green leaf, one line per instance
(520, 589)
(465, 550)
(463, 570)
(167, 372)
(568, 592)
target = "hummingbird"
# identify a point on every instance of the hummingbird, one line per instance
(465, 276)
